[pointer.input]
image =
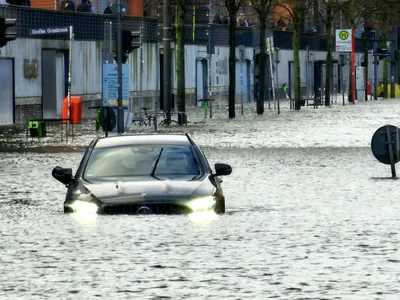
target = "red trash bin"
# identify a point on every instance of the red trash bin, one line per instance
(75, 110)
(369, 92)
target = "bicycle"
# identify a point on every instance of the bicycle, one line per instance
(167, 117)
(146, 119)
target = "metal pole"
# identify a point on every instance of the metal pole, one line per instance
(105, 47)
(391, 151)
(353, 67)
(271, 71)
(157, 84)
(119, 61)
(392, 71)
(342, 82)
(71, 36)
(141, 76)
(307, 71)
(210, 16)
(109, 54)
(375, 45)
(241, 80)
(167, 57)
(277, 84)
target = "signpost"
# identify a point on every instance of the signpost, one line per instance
(385, 146)
(345, 43)
(61, 30)
(110, 85)
(111, 88)
(343, 40)
(270, 51)
(50, 30)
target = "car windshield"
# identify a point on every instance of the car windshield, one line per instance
(161, 162)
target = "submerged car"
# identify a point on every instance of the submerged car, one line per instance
(144, 174)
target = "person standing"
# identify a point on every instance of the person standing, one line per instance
(108, 10)
(84, 6)
(285, 91)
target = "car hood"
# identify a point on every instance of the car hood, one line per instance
(151, 190)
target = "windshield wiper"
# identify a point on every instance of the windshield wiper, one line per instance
(155, 165)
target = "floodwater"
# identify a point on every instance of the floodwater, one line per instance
(318, 220)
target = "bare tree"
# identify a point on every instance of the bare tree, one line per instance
(296, 9)
(327, 15)
(382, 18)
(262, 7)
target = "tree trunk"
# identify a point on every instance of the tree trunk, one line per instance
(366, 60)
(296, 62)
(232, 59)
(328, 69)
(352, 25)
(180, 57)
(261, 81)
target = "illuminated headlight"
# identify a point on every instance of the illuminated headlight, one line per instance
(202, 204)
(84, 207)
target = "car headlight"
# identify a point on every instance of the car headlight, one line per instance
(84, 207)
(83, 201)
(202, 204)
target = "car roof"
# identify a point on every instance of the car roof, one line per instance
(143, 139)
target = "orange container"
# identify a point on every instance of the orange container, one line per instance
(46, 4)
(135, 7)
(75, 110)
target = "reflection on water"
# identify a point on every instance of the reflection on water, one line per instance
(300, 224)
(84, 218)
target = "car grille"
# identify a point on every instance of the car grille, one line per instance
(155, 208)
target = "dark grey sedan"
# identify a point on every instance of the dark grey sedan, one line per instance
(144, 174)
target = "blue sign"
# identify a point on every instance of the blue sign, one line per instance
(110, 85)
(50, 30)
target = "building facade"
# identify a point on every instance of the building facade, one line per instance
(34, 69)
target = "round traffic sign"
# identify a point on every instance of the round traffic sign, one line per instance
(382, 139)
(343, 35)
(107, 118)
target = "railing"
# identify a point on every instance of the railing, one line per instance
(90, 27)
(86, 26)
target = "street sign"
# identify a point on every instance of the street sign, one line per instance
(50, 30)
(107, 119)
(385, 140)
(110, 85)
(381, 52)
(385, 145)
(343, 40)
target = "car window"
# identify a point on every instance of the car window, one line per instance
(141, 160)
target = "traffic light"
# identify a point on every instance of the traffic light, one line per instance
(5, 36)
(130, 40)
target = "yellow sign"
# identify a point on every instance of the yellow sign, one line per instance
(343, 35)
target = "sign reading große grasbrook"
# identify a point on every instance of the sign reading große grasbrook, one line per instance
(343, 40)
(50, 30)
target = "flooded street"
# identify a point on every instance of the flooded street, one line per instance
(311, 214)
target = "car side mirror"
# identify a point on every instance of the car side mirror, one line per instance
(63, 175)
(222, 169)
